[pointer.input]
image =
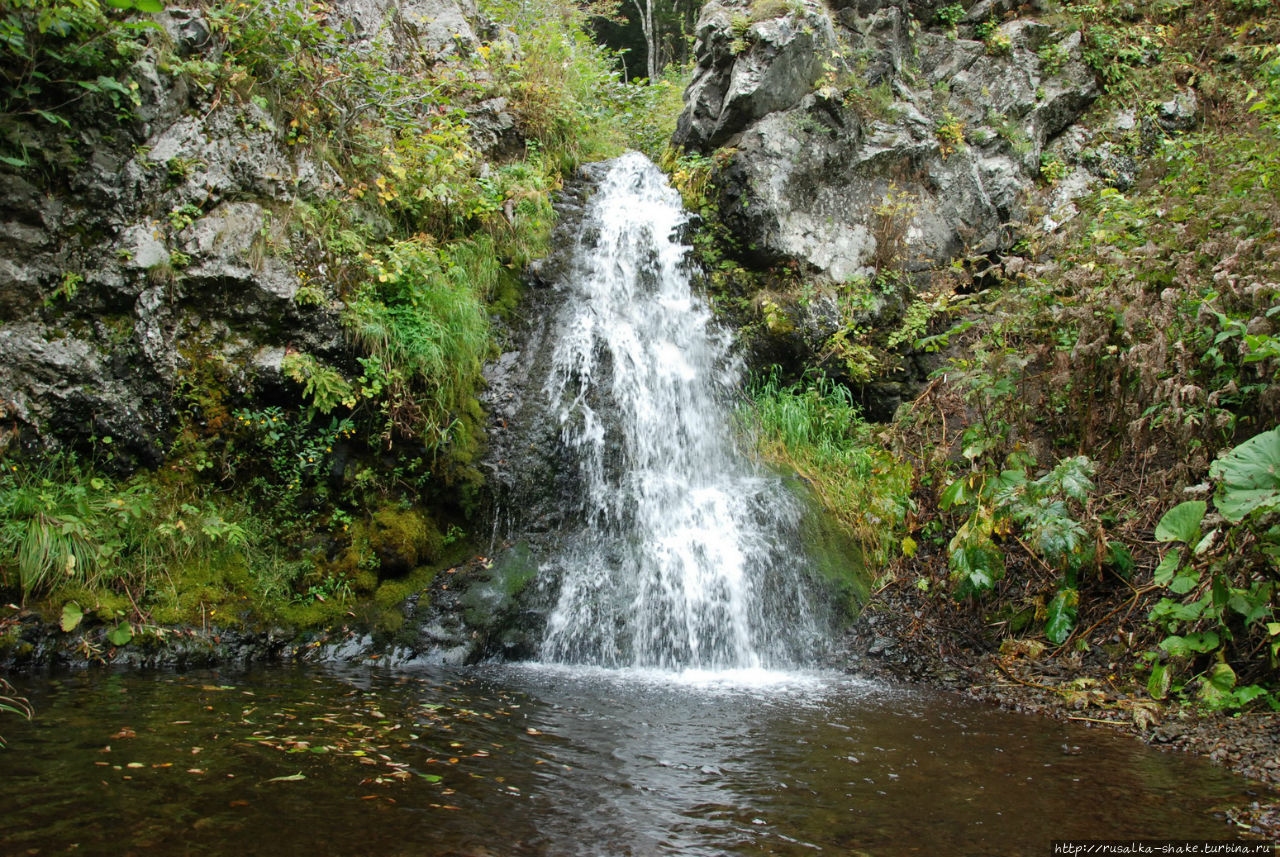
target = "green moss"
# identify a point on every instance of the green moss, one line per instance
(101, 604)
(839, 561)
(392, 592)
(508, 577)
(404, 538)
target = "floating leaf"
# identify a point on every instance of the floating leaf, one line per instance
(71, 616)
(1182, 523)
(292, 778)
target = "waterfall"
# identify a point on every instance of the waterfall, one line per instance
(686, 554)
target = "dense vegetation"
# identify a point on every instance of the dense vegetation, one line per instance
(1091, 469)
(356, 488)
(1092, 466)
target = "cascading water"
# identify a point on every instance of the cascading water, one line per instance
(687, 556)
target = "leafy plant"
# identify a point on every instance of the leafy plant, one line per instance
(12, 704)
(1041, 510)
(1248, 478)
(1224, 602)
(950, 15)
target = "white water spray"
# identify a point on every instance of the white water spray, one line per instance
(686, 558)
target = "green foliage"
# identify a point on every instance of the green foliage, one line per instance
(998, 42)
(556, 80)
(1053, 57)
(1224, 597)
(280, 458)
(1248, 478)
(815, 429)
(56, 54)
(423, 323)
(949, 16)
(323, 384)
(62, 526)
(1061, 615)
(1043, 511)
(1182, 523)
(1052, 169)
(949, 129)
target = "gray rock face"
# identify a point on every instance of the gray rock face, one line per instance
(165, 247)
(829, 115)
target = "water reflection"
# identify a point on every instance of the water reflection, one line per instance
(530, 760)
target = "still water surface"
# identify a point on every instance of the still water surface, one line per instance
(538, 760)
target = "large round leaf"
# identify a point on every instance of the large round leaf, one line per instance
(1249, 477)
(1182, 523)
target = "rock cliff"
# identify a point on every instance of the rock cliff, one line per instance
(863, 142)
(142, 249)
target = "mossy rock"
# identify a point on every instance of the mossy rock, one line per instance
(838, 559)
(404, 539)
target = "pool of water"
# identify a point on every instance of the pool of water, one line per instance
(532, 760)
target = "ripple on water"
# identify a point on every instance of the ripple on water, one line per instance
(550, 760)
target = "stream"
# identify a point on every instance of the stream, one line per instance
(549, 760)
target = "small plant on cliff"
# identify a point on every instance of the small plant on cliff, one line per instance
(891, 219)
(949, 130)
(950, 15)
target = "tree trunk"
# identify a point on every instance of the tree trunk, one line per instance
(645, 8)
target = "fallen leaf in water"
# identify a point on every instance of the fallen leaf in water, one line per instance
(238, 803)
(126, 732)
(292, 778)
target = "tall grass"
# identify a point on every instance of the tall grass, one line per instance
(60, 526)
(814, 428)
(423, 322)
(68, 530)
